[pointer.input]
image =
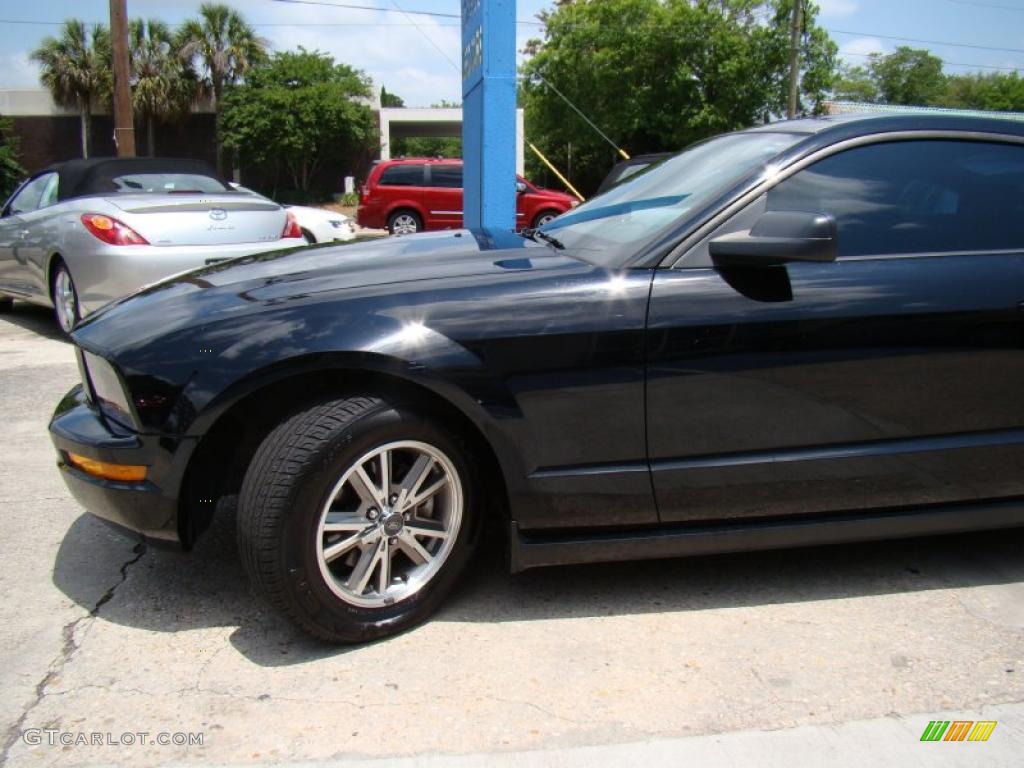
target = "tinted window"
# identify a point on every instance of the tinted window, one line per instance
(915, 196)
(30, 197)
(164, 182)
(402, 176)
(446, 176)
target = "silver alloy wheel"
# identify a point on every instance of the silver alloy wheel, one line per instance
(405, 224)
(544, 219)
(65, 301)
(389, 524)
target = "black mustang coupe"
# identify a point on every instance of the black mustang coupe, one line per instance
(806, 332)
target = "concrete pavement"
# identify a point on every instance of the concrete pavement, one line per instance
(100, 635)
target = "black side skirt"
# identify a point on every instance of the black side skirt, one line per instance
(532, 550)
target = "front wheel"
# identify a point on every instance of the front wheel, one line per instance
(543, 218)
(65, 298)
(356, 517)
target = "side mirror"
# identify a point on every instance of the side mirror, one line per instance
(520, 187)
(778, 237)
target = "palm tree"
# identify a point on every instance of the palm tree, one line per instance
(163, 84)
(225, 47)
(76, 70)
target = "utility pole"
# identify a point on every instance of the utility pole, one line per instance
(794, 60)
(124, 122)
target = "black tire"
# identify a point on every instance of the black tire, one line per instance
(404, 222)
(308, 235)
(544, 217)
(66, 315)
(6, 304)
(291, 478)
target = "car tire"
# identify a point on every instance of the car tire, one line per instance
(308, 235)
(404, 222)
(544, 217)
(64, 296)
(312, 528)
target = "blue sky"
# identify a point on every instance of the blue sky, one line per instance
(401, 52)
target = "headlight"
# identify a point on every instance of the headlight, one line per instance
(574, 203)
(336, 223)
(104, 383)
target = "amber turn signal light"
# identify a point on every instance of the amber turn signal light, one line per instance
(122, 473)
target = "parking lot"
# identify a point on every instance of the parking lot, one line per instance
(99, 633)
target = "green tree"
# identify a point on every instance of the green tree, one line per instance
(907, 76)
(660, 74)
(163, 85)
(225, 48)
(856, 84)
(390, 99)
(11, 170)
(297, 113)
(76, 70)
(997, 91)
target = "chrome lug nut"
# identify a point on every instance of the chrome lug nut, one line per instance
(393, 498)
(372, 514)
(392, 541)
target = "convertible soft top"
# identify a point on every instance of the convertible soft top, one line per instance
(95, 175)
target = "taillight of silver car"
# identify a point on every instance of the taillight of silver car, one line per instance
(291, 226)
(111, 231)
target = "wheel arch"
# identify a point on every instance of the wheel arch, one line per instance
(239, 427)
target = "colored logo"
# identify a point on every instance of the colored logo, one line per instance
(958, 730)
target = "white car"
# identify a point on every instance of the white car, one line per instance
(317, 224)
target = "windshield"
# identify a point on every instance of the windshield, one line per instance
(611, 227)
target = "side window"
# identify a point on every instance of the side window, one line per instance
(49, 196)
(915, 197)
(402, 176)
(448, 176)
(31, 195)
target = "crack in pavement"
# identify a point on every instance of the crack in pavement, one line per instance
(68, 648)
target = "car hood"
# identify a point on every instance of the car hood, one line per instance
(328, 272)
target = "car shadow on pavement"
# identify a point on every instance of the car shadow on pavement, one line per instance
(168, 591)
(34, 318)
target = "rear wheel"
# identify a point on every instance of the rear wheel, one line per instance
(65, 297)
(356, 517)
(404, 222)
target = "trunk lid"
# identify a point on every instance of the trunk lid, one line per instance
(201, 219)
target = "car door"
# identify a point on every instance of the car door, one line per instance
(890, 377)
(21, 235)
(445, 197)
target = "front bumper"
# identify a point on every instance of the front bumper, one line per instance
(150, 507)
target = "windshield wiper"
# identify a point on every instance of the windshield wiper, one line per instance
(533, 233)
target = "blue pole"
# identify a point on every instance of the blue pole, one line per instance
(489, 113)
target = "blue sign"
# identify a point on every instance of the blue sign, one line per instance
(489, 113)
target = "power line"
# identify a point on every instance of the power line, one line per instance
(428, 38)
(949, 63)
(987, 5)
(382, 9)
(926, 42)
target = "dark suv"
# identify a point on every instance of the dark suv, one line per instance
(418, 193)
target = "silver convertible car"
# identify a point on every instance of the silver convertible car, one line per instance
(84, 232)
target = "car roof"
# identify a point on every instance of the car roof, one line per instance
(93, 175)
(421, 160)
(864, 123)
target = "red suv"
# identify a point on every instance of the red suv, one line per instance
(419, 193)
